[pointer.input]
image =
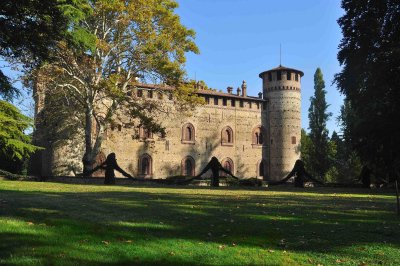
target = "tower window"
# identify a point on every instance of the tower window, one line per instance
(278, 75)
(215, 100)
(224, 101)
(296, 77)
(233, 103)
(139, 93)
(207, 99)
(241, 103)
(269, 76)
(149, 94)
(293, 140)
(289, 75)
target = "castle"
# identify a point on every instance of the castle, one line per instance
(251, 136)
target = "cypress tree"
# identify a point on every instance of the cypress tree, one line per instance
(318, 115)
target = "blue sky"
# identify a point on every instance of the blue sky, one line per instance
(239, 39)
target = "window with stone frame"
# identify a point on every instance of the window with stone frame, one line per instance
(145, 165)
(188, 166)
(188, 133)
(227, 163)
(227, 136)
(294, 140)
(145, 133)
(257, 136)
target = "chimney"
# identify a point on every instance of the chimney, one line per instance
(244, 88)
(260, 95)
(238, 91)
(229, 89)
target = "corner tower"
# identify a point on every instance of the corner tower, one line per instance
(282, 120)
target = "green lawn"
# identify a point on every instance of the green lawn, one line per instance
(66, 224)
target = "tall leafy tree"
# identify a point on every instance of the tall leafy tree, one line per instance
(370, 58)
(318, 115)
(122, 42)
(28, 32)
(15, 145)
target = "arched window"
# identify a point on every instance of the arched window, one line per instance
(145, 165)
(258, 136)
(261, 168)
(227, 163)
(188, 133)
(227, 136)
(188, 166)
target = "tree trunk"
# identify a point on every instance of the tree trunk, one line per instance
(88, 157)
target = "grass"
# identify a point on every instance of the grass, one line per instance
(66, 224)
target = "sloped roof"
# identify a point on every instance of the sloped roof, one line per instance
(280, 67)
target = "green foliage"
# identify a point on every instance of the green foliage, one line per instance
(318, 116)
(15, 145)
(306, 147)
(29, 30)
(370, 58)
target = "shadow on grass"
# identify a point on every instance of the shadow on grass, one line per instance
(149, 225)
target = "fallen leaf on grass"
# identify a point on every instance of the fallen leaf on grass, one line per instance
(221, 247)
(362, 264)
(128, 241)
(105, 242)
(233, 244)
(30, 223)
(172, 253)
(271, 251)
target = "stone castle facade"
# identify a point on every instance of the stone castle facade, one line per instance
(251, 136)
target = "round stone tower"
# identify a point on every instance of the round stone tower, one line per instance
(281, 120)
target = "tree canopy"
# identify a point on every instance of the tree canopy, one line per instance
(14, 143)
(28, 31)
(370, 77)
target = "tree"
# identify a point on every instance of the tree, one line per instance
(15, 145)
(318, 116)
(28, 31)
(370, 58)
(124, 42)
(306, 146)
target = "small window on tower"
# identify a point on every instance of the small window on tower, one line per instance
(233, 103)
(241, 103)
(224, 102)
(296, 77)
(269, 76)
(289, 75)
(215, 100)
(293, 140)
(278, 75)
